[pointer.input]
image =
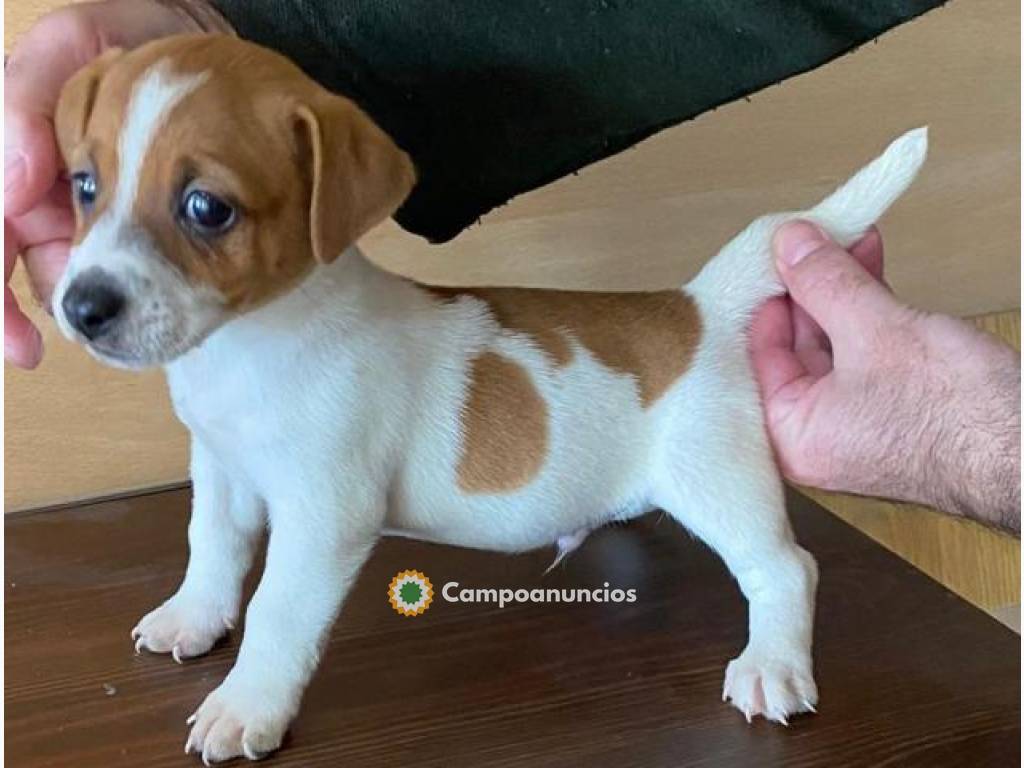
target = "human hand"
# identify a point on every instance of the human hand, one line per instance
(867, 395)
(38, 221)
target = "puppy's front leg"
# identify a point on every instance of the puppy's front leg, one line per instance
(313, 558)
(227, 519)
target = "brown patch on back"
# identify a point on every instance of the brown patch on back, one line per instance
(505, 422)
(651, 336)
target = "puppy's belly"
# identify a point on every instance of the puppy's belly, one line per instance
(582, 486)
(593, 464)
(534, 533)
(506, 528)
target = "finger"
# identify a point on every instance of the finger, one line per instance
(44, 265)
(33, 78)
(771, 348)
(870, 253)
(810, 344)
(12, 247)
(51, 219)
(43, 236)
(30, 161)
(23, 346)
(837, 292)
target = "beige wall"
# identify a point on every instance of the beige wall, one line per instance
(648, 218)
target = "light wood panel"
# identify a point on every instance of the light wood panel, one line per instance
(648, 218)
(75, 429)
(651, 215)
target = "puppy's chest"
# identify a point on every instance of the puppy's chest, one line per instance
(228, 405)
(216, 411)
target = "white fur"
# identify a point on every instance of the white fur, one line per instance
(166, 315)
(333, 414)
(154, 96)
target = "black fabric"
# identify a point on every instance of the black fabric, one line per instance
(496, 97)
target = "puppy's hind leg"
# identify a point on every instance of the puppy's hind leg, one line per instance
(725, 488)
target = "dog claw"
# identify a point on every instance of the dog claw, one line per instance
(140, 643)
(176, 654)
(252, 754)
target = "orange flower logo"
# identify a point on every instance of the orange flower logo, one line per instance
(410, 593)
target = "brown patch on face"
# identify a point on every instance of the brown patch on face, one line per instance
(506, 427)
(241, 160)
(87, 137)
(306, 171)
(651, 336)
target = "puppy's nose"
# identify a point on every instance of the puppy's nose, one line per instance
(92, 306)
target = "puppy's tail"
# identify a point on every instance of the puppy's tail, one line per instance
(742, 275)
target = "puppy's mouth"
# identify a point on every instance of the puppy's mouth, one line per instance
(137, 357)
(117, 358)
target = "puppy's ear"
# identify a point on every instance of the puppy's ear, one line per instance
(77, 98)
(356, 174)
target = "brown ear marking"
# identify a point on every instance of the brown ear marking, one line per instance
(505, 423)
(358, 176)
(76, 101)
(649, 335)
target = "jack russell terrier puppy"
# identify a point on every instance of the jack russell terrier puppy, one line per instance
(219, 194)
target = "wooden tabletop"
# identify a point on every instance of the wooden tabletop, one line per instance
(909, 674)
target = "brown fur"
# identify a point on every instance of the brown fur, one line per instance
(506, 427)
(87, 137)
(307, 171)
(650, 336)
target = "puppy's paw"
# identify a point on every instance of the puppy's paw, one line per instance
(774, 687)
(185, 626)
(237, 720)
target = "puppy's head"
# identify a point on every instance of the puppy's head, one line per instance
(208, 176)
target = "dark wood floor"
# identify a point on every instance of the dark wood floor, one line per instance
(909, 674)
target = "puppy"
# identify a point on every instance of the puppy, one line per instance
(219, 194)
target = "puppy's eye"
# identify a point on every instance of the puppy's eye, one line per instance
(83, 185)
(205, 213)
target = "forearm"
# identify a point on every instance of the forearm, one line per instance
(977, 452)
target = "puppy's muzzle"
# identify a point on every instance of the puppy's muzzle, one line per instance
(94, 304)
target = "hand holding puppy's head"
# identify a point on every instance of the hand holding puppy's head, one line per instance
(208, 175)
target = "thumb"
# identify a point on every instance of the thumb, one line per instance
(828, 283)
(38, 67)
(30, 161)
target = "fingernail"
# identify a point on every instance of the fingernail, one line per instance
(14, 171)
(796, 239)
